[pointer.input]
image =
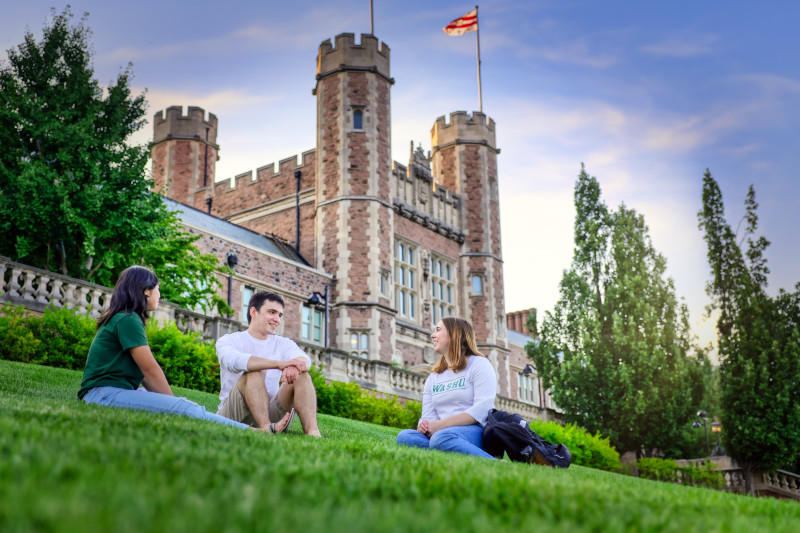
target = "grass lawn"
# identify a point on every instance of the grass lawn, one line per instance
(67, 466)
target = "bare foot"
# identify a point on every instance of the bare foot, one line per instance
(314, 433)
(279, 426)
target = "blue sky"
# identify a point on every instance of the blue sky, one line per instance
(646, 95)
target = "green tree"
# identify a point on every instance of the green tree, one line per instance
(759, 342)
(616, 348)
(74, 196)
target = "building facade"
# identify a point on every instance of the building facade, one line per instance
(396, 246)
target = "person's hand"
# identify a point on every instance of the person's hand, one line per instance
(289, 374)
(434, 426)
(422, 427)
(300, 363)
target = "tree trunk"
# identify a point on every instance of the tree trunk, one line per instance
(747, 471)
(62, 258)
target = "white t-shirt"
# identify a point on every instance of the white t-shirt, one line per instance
(470, 391)
(235, 349)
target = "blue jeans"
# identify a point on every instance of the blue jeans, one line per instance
(155, 403)
(457, 439)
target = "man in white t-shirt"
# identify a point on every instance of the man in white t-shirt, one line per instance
(264, 376)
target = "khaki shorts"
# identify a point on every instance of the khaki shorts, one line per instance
(236, 408)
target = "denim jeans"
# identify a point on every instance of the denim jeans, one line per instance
(155, 403)
(457, 439)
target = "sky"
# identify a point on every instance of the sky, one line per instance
(647, 95)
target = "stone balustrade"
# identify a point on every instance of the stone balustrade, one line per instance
(527, 411)
(37, 289)
(780, 483)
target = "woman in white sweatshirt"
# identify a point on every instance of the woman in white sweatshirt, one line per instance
(457, 396)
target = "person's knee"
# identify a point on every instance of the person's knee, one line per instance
(443, 439)
(405, 436)
(250, 379)
(304, 381)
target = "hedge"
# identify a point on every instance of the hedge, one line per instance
(589, 450)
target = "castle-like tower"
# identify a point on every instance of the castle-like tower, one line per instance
(354, 217)
(184, 154)
(464, 160)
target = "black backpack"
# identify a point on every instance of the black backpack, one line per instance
(510, 433)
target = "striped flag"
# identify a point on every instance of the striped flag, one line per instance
(462, 25)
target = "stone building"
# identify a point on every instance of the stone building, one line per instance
(397, 246)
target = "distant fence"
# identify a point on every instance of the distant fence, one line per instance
(780, 483)
(38, 289)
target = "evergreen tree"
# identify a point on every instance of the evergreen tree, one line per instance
(74, 196)
(616, 348)
(759, 342)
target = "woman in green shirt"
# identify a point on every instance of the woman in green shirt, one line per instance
(120, 358)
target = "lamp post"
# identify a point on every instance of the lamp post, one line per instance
(716, 427)
(704, 417)
(317, 299)
(231, 260)
(527, 371)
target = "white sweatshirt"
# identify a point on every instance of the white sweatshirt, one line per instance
(470, 391)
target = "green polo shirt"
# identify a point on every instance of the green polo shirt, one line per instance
(110, 363)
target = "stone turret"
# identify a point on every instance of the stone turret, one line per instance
(465, 161)
(185, 153)
(354, 211)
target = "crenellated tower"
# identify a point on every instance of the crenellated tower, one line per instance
(464, 160)
(354, 217)
(185, 153)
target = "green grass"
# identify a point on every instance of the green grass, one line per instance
(67, 466)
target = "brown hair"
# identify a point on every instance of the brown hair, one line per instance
(259, 299)
(462, 345)
(128, 295)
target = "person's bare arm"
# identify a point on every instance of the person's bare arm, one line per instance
(154, 378)
(256, 363)
(461, 419)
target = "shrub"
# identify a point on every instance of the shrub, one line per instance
(186, 359)
(668, 470)
(589, 450)
(18, 343)
(65, 336)
(348, 400)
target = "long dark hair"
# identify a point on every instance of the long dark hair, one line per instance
(128, 295)
(462, 345)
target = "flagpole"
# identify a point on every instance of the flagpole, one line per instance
(371, 25)
(478, 43)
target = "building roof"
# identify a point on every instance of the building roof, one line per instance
(518, 339)
(223, 228)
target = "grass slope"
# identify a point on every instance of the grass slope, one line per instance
(67, 466)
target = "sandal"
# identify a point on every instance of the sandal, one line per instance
(273, 429)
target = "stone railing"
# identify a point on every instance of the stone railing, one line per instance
(780, 483)
(374, 375)
(527, 411)
(38, 289)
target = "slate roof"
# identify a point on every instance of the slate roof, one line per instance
(229, 230)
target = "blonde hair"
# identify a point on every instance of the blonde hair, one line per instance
(462, 345)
